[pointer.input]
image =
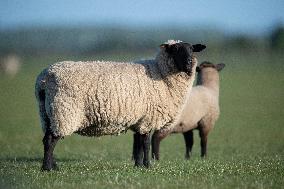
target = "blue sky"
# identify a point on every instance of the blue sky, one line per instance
(247, 16)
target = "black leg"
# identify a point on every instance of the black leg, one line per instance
(156, 145)
(203, 133)
(49, 142)
(142, 151)
(138, 157)
(146, 149)
(157, 137)
(135, 146)
(203, 144)
(188, 138)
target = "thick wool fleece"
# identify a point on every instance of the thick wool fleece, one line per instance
(106, 98)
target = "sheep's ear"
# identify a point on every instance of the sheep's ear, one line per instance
(168, 48)
(164, 46)
(198, 47)
(198, 69)
(220, 66)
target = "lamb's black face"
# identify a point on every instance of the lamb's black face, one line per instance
(182, 53)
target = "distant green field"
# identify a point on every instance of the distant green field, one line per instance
(245, 150)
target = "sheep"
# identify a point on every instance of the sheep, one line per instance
(106, 98)
(11, 65)
(201, 111)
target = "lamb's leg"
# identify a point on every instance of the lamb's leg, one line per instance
(157, 137)
(146, 149)
(49, 142)
(135, 146)
(203, 133)
(188, 138)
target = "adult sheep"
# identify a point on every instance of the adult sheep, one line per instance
(201, 111)
(106, 98)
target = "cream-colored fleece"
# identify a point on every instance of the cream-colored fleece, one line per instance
(104, 98)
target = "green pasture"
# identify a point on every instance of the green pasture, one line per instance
(245, 150)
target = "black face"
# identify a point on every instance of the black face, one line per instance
(182, 53)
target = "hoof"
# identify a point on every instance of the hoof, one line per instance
(43, 169)
(52, 167)
(138, 164)
(46, 168)
(146, 164)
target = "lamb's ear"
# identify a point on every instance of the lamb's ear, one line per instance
(198, 69)
(220, 66)
(198, 47)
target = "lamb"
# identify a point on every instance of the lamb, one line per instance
(201, 111)
(106, 98)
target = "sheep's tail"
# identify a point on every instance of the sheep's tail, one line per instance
(40, 93)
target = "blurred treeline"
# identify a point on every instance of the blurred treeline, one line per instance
(91, 40)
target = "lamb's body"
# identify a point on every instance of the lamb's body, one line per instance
(201, 110)
(105, 98)
(203, 105)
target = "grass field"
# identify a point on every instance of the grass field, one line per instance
(245, 150)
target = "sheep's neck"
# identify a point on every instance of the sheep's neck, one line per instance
(209, 80)
(174, 79)
(178, 85)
